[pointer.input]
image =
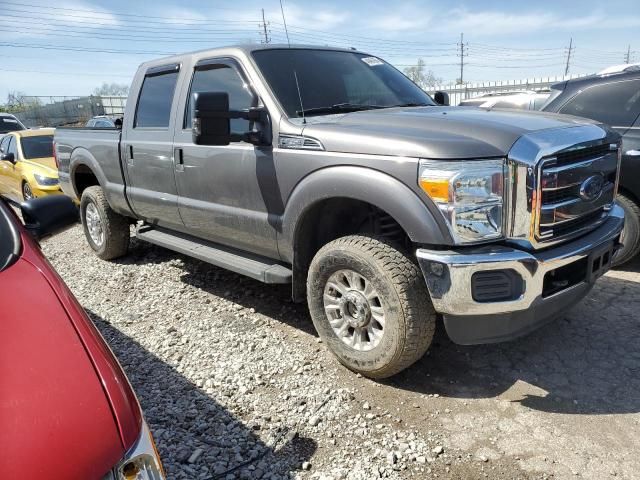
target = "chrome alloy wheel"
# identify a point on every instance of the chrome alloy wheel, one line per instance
(27, 193)
(354, 310)
(94, 224)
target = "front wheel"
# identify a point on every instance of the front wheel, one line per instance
(631, 232)
(107, 232)
(27, 193)
(370, 305)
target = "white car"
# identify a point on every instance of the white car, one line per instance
(9, 123)
(521, 100)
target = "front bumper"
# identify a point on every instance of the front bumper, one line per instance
(547, 283)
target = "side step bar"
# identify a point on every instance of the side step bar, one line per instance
(253, 266)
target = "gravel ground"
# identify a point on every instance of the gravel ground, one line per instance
(231, 374)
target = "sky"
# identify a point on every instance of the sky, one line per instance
(70, 47)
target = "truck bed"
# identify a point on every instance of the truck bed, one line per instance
(92, 152)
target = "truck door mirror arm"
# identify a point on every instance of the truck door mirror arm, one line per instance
(211, 121)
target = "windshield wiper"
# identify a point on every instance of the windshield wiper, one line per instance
(411, 105)
(339, 108)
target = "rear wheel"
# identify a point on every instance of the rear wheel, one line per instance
(631, 232)
(107, 232)
(370, 305)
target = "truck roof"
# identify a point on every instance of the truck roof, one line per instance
(243, 49)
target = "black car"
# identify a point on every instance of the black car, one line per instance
(614, 99)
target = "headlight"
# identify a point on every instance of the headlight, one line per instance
(470, 195)
(141, 462)
(45, 181)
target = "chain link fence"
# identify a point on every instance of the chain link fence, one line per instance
(60, 111)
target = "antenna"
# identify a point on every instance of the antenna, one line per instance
(286, 31)
(295, 74)
(304, 120)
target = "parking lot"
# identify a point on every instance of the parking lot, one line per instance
(228, 370)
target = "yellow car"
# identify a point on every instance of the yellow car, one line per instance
(27, 166)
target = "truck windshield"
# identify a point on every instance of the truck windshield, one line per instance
(37, 147)
(334, 81)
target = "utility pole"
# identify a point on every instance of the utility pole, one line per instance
(462, 54)
(571, 47)
(265, 32)
(627, 58)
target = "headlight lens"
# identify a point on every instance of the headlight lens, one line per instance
(141, 462)
(470, 195)
(45, 181)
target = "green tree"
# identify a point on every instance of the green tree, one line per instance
(422, 77)
(111, 90)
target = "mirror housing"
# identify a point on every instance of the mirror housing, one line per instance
(46, 216)
(8, 157)
(211, 115)
(441, 98)
(211, 121)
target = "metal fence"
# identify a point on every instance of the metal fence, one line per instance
(60, 111)
(457, 93)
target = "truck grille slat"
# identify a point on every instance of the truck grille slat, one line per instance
(565, 208)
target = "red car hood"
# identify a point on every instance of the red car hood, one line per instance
(66, 409)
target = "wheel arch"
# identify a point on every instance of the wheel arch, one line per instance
(349, 187)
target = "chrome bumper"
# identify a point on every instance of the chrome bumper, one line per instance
(448, 275)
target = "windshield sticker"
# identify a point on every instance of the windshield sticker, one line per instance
(372, 61)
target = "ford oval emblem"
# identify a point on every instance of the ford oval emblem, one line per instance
(591, 188)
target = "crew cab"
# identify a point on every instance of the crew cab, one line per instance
(328, 169)
(66, 407)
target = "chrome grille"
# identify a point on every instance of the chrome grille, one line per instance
(566, 207)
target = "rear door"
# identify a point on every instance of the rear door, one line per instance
(146, 148)
(226, 193)
(11, 174)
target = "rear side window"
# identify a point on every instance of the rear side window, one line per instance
(221, 78)
(154, 102)
(616, 104)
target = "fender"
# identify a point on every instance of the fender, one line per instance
(114, 192)
(419, 220)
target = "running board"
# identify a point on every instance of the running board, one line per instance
(253, 266)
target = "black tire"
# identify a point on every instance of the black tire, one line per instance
(27, 193)
(631, 232)
(116, 232)
(410, 319)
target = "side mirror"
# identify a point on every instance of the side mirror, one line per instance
(211, 125)
(441, 98)
(8, 157)
(48, 215)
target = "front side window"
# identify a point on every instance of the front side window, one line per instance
(616, 104)
(221, 78)
(37, 147)
(3, 144)
(156, 97)
(335, 81)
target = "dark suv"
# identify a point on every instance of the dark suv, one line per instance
(614, 99)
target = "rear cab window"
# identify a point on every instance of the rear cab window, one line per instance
(156, 96)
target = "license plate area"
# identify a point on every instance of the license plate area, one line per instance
(600, 261)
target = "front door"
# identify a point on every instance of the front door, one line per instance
(224, 191)
(146, 149)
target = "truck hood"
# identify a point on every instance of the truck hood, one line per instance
(432, 132)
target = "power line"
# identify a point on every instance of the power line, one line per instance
(66, 73)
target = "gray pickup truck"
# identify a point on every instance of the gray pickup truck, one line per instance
(328, 169)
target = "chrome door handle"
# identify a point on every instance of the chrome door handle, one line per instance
(178, 159)
(632, 153)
